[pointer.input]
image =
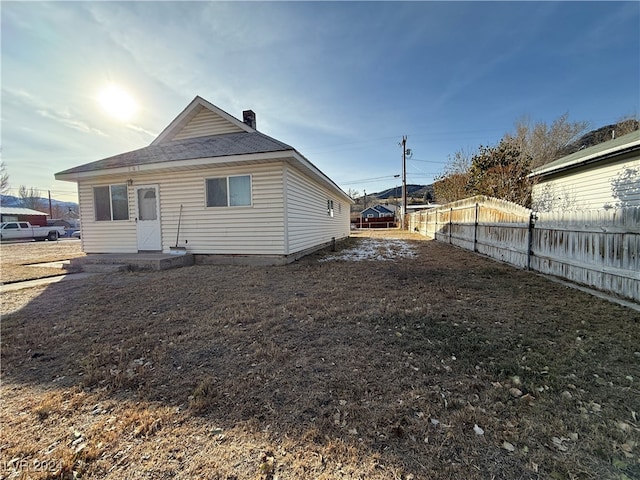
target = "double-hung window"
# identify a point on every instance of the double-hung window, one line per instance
(330, 208)
(111, 202)
(233, 191)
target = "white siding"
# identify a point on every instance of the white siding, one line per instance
(308, 224)
(106, 237)
(614, 185)
(258, 229)
(204, 123)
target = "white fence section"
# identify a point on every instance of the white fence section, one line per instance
(599, 248)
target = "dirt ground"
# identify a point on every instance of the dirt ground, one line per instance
(388, 359)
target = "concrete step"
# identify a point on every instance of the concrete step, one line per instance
(104, 267)
(156, 261)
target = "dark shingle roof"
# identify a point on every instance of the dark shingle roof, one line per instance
(229, 144)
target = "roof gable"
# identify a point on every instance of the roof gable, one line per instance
(200, 119)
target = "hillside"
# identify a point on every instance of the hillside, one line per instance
(600, 135)
(57, 205)
(416, 192)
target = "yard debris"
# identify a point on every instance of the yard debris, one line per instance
(478, 430)
(515, 392)
(267, 465)
(558, 443)
(509, 447)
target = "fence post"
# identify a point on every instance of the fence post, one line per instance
(450, 222)
(475, 231)
(532, 219)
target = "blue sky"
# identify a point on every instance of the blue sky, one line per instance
(341, 82)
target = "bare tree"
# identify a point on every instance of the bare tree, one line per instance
(544, 143)
(451, 185)
(30, 197)
(4, 178)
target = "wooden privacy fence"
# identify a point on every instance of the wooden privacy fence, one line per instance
(599, 248)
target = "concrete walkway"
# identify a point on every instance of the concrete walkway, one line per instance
(11, 287)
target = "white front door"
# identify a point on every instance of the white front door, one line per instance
(148, 219)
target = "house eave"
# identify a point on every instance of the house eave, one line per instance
(588, 160)
(229, 160)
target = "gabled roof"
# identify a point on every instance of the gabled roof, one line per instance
(190, 112)
(212, 146)
(233, 142)
(379, 209)
(387, 208)
(603, 151)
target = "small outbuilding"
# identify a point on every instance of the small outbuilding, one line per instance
(20, 214)
(214, 185)
(606, 175)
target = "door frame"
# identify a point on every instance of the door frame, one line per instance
(158, 236)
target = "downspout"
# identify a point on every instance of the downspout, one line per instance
(285, 183)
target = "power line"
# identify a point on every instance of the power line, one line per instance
(366, 180)
(426, 161)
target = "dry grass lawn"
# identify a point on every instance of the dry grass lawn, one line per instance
(16, 258)
(427, 362)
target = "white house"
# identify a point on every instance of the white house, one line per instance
(606, 175)
(234, 192)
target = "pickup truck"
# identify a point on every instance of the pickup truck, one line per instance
(24, 230)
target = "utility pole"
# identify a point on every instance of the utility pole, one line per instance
(404, 179)
(50, 206)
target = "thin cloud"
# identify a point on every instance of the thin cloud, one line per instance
(65, 119)
(137, 128)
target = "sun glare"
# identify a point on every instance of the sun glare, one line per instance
(117, 102)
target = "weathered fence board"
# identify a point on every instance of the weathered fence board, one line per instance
(599, 248)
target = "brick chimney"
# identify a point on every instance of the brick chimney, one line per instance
(249, 117)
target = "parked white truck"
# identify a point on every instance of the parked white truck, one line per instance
(24, 230)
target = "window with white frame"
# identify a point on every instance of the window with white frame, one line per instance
(111, 202)
(232, 191)
(330, 208)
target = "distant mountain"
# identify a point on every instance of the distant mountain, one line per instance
(59, 205)
(413, 191)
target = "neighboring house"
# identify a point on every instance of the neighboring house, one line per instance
(234, 191)
(18, 214)
(606, 175)
(378, 211)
